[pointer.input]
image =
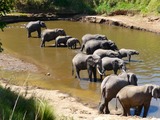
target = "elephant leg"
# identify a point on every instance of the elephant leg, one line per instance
(101, 106)
(124, 112)
(29, 34)
(43, 43)
(138, 110)
(106, 107)
(129, 58)
(39, 32)
(77, 74)
(90, 73)
(146, 108)
(95, 74)
(75, 46)
(128, 111)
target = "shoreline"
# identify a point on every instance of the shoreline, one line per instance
(136, 22)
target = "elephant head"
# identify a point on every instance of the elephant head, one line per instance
(108, 45)
(60, 32)
(130, 77)
(100, 37)
(154, 90)
(133, 52)
(42, 24)
(93, 63)
(112, 44)
(117, 64)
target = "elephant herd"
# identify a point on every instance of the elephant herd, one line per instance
(57, 34)
(98, 53)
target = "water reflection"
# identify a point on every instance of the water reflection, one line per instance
(57, 61)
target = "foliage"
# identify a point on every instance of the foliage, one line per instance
(5, 7)
(60, 6)
(26, 109)
(144, 6)
(87, 6)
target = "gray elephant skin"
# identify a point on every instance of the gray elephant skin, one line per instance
(93, 45)
(72, 43)
(137, 96)
(61, 40)
(114, 64)
(35, 26)
(51, 34)
(128, 53)
(82, 61)
(111, 85)
(88, 37)
(106, 53)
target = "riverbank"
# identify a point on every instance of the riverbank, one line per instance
(64, 105)
(138, 22)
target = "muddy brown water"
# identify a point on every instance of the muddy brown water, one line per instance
(57, 61)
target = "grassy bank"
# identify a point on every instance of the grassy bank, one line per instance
(88, 6)
(16, 107)
(142, 6)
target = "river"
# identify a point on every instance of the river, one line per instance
(57, 61)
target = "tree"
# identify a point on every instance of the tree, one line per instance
(5, 7)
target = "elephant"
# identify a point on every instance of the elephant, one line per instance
(51, 34)
(106, 53)
(88, 37)
(111, 85)
(137, 96)
(82, 61)
(35, 26)
(72, 42)
(114, 64)
(93, 45)
(61, 39)
(128, 53)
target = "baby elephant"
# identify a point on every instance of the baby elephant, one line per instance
(61, 40)
(128, 53)
(72, 43)
(137, 96)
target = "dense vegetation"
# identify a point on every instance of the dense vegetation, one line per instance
(88, 6)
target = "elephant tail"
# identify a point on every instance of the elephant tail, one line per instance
(117, 97)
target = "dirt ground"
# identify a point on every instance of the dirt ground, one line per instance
(65, 105)
(138, 22)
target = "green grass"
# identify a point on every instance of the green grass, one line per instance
(16, 107)
(144, 6)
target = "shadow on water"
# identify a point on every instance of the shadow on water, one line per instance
(134, 61)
